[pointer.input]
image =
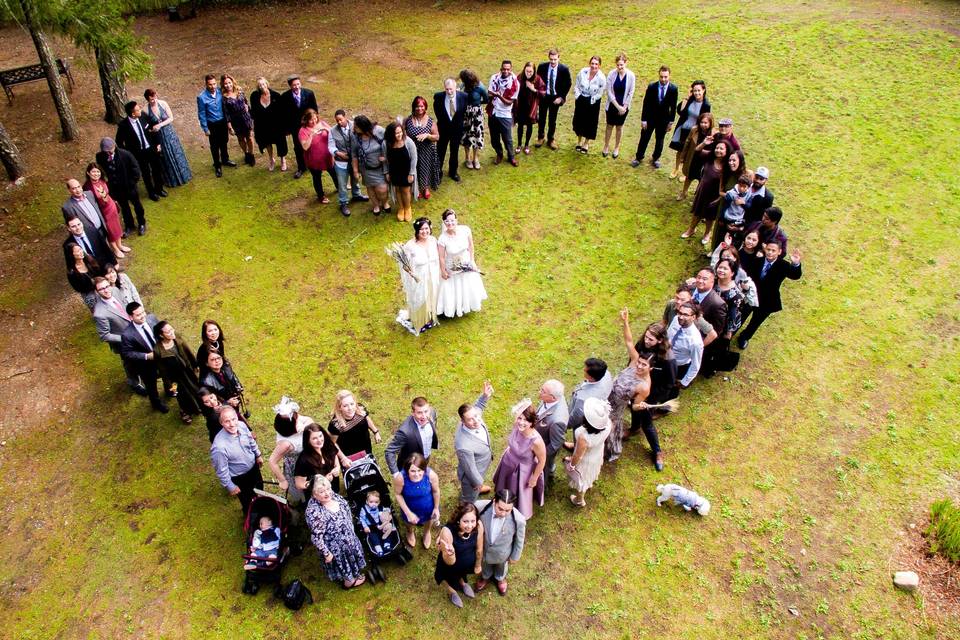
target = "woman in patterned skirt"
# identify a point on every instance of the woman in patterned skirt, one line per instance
(423, 131)
(239, 120)
(473, 119)
(331, 531)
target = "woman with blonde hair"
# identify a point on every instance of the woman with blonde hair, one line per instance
(351, 425)
(620, 85)
(239, 120)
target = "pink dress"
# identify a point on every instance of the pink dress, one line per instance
(514, 471)
(107, 207)
(317, 157)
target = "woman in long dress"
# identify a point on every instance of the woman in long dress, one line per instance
(630, 388)
(176, 171)
(421, 128)
(178, 367)
(422, 284)
(97, 185)
(461, 287)
(709, 192)
(583, 465)
(521, 467)
(289, 425)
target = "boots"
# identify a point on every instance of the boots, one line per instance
(249, 159)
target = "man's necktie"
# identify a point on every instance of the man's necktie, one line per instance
(663, 91)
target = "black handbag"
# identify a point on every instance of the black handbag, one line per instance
(294, 595)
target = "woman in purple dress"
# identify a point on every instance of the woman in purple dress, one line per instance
(709, 192)
(239, 120)
(521, 466)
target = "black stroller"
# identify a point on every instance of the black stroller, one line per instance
(364, 476)
(267, 571)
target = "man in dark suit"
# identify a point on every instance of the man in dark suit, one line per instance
(712, 306)
(123, 173)
(557, 78)
(416, 434)
(450, 106)
(136, 347)
(759, 198)
(133, 134)
(89, 240)
(659, 110)
(296, 100)
(83, 205)
(111, 319)
(769, 273)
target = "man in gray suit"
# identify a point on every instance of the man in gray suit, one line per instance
(111, 319)
(416, 434)
(83, 205)
(552, 417)
(472, 444)
(504, 529)
(597, 383)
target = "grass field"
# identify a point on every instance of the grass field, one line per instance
(834, 435)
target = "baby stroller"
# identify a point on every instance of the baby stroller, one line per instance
(267, 571)
(363, 476)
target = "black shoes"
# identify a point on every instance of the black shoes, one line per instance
(635, 163)
(142, 229)
(360, 199)
(345, 211)
(297, 175)
(742, 343)
(126, 232)
(455, 177)
(161, 407)
(219, 172)
(249, 159)
(162, 193)
(229, 163)
(139, 389)
(154, 197)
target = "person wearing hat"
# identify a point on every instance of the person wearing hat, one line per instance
(123, 174)
(296, 101)
(759, 198)
(289, 425)
(726, 133)
(583, 466)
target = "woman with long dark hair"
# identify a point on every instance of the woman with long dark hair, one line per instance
(526, 108)
(461, 549)
(473, 118)
(688, 115)
(81, 273)
(400, 155)
(696, 147)
(368, 162)
(211, 339)
(320, 456)
(421, 128)
(177, 366)
(706, 200)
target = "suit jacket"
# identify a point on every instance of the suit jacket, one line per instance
(599, 389)
(123, 173)
(109, 322)
(128, 139)
(101, 251)
(768, 287)
(406, 441)
(714, 311)
(444, 122)
(563, 81)
(473, 455)
(72, 208)
(293, 113)
(656, 113)
(133, 347)
(552, 426)
(509, 544)
(758, 204)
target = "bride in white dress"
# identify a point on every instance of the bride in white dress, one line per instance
(461, 287)
(421, 285)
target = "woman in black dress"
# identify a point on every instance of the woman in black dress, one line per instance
(211, 339)
(320, 456)
(81, 274)
(351, 425)
(237, 111)
(178, 366)
(461, 550)
(268, 128)
(400, 154)
(706, 200)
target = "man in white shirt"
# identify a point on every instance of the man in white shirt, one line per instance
(504, 530)
(473, 447)
(503, 90)
(416, 434)
(82, 203)
(339, 145)
(552, 418)
(137, 344)
(686, 343)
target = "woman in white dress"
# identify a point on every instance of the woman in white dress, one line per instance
(422, 283)
(289, 425)
(461, 287)
(583, 466)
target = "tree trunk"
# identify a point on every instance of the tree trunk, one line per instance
(10, 156)
(68, 122)
(113, 85)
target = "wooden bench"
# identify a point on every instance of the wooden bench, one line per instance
(29, 73)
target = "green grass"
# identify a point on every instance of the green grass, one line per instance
(815, 452)
(944, 529)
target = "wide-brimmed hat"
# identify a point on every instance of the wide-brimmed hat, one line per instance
(597, 413)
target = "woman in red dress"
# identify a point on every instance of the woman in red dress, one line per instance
(98, 186)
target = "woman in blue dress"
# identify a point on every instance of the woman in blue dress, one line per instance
(418, 496)
(176, 171)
